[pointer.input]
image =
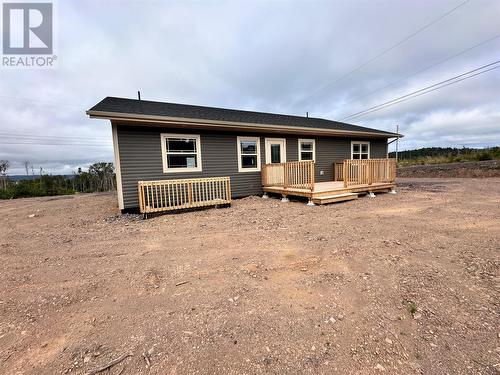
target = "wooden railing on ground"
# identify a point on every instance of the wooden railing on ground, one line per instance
(295, 174)
(338, 170)
(167, 195)
(369, 171)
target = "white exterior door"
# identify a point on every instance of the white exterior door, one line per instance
(275, 150)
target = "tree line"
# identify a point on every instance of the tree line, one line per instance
(99, 177)
(433, 155)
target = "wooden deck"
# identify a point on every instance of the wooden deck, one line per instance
(331, 191)
(364, 176)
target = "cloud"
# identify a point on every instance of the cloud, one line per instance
(264, 56)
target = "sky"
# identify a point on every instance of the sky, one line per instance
(329, 58)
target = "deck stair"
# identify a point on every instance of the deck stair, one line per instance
(332, 198)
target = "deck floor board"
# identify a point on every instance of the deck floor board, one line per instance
(330, 188)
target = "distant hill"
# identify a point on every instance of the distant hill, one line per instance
(19, 177)
(436, 155)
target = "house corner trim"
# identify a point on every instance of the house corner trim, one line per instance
(118, 170)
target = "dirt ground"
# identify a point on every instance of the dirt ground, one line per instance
(487, 168)
(397, 284)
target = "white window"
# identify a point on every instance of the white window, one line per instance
(360, 150)
(248, 154)
(307, 149)
(181, 153)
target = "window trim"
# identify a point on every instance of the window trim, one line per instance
(238, 148)
(313, 148)
(166, 169)
(268, 142)
(360, 143)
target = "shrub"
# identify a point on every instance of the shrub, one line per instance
(484, 156)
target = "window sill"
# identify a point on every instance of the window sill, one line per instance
(245, 170)
(182, 170)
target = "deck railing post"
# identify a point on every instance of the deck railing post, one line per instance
(345, 172)
(228, 189)
(285, 175)
(312, 167)
(141, 195)
(369, 165)
(190, 193)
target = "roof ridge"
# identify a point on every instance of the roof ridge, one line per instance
(225, 109)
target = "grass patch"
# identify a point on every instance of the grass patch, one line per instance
(412, 308)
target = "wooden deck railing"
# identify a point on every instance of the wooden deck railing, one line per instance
(369, 171)
(167, 195)
(338, 170)
(295, 174)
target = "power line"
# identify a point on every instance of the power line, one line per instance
(45, 137)
(428, 87)
(425, 90)
(369, 61)
(35, 141)
(427, 68)
(55, 144)
(45, 140)
(41, 101)
(393, 102)
(437, 88)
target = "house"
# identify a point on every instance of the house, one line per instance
(258, 152)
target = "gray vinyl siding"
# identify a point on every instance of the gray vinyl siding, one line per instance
(141, 158)
(378, 148)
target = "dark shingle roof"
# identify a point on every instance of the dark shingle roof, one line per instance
(144, 107)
